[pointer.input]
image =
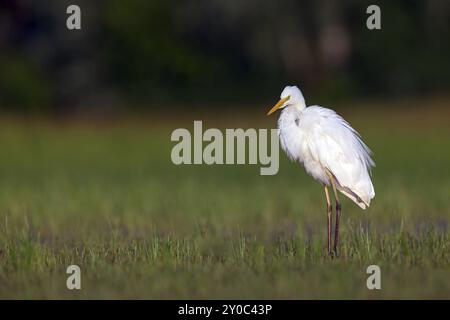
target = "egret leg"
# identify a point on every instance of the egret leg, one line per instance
(338, 216)
(329, 212)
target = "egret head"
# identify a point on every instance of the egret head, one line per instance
(291, 95)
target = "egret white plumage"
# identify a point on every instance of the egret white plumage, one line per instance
(331, 151)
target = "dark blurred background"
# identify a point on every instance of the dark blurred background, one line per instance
(141, 55)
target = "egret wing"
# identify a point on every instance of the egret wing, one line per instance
(340, 150)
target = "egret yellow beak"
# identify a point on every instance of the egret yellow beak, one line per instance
(278, 105)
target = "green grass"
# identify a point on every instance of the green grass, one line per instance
(107, 198)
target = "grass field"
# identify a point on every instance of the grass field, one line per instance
(105, 196)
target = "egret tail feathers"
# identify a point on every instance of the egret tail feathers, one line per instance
(354, 197)
(362, 201)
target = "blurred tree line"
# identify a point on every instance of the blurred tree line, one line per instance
(140, 53)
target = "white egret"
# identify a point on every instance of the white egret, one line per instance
(331, 151)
